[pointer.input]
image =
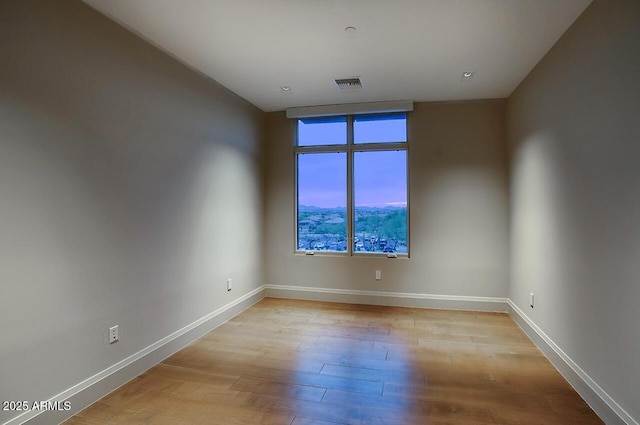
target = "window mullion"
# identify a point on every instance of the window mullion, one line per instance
(350, 199)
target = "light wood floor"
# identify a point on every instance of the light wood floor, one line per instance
(289, 362)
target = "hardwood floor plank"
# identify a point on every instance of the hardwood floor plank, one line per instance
(376, 353)
(377, 375)
(298, 420)
(291, 362)
(434, 409)
(262, 386)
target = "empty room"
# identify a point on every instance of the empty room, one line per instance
(331, 212)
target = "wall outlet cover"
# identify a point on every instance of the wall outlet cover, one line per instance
(113, 334)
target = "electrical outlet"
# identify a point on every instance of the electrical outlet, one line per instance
(531, 298)
(229, 284)
(113, 334)
(378, 274)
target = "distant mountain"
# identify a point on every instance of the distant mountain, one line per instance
(311, 208)
(386, 207)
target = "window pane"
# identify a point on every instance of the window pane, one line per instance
(382, 128)
(322, 131)
(380, 195)
(322, 202)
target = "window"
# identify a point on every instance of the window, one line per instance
(322, 131)
(379, 128)
(322, 201)
(380, 201)
(351, 184)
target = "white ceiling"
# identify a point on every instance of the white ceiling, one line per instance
(402, 49)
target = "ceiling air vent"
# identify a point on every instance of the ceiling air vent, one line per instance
(344, 84)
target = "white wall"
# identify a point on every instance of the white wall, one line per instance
(574, 134)
(129, 191)
(458, 211)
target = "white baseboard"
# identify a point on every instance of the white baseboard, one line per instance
(94, 388)
(396, 299)
(601, 402)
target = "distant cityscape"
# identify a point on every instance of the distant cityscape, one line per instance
(376, 229)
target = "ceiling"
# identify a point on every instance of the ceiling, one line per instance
(402, 49)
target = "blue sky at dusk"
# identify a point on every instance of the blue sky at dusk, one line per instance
(322, 131)
(380, 178)
(372, 129)
(322, 180)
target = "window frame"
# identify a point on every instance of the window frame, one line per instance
(350, 148)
